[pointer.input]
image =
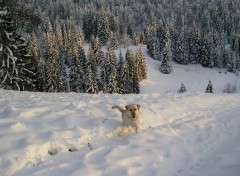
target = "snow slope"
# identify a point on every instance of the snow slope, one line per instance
(190, 134)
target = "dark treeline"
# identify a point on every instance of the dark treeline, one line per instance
(184, 31)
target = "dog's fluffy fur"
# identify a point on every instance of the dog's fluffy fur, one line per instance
(130, 116)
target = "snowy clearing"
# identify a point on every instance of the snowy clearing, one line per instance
(181, 134)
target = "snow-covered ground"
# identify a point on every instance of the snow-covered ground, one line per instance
(190, 134)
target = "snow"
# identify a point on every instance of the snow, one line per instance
(189, 134)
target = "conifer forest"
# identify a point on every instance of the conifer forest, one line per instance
(69, 45)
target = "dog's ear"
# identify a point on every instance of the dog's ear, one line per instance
(138, 106)
(127, 106)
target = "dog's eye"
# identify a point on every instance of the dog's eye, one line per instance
(135, 109)
(130, 109)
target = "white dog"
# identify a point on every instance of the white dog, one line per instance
(130, 116)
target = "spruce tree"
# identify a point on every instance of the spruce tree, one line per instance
(98, 53)
(83, 63)
(135, 82)
(76, 74)
(109, 73)
(142, 66)
(39, 62)
(121, 74)
(16, 69)
(166, 65)
(55, 78)
(113, 72)
(91, 82)
(103, 29)
(130, 68)
(194, 45)
(204, 53)
(113, 41)
(92, 60)
(181, 51)
(89, 23)
(153, 44)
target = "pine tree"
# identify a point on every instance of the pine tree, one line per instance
(194, 45)
(60, 44)
(103, 76)
(142, 66)
(153, 44)
(109, 73)
(55, 79)
(92, 60)
(91, 82)
(39, 63)
(121, 73)
(181, 52)
(204, 53)
(182, 88)
(83, 63)
(113, 41)
(130, 68)
(76, 73)
(98, 53)
(89, 23)
(135, 82)
(103, 29)
(209, 88)
(113, 75)
(16, 69)
(166, 65)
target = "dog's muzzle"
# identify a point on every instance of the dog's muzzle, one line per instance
(133, 115)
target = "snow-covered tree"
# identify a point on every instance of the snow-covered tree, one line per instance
(204, 53)
(153, 44)
(103, 29)
(194, 45)
(39, 62)
(166, 65)
(77, 72)
(89, 21)
(130, 68)
(181, 50)
(109, 72)
(16, 69)
(113, 43)
(142, 66)
(91, 82)
(55, 78)
(121, 73)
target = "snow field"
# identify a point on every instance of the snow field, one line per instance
(181, 134)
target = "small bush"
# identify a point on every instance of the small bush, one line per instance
(182, 89)
(209, 88)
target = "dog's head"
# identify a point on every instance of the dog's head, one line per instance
(133, 110)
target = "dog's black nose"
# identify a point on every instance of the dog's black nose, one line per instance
(133, 115)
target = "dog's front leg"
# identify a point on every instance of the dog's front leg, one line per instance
(120, 133)
(136, 129)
